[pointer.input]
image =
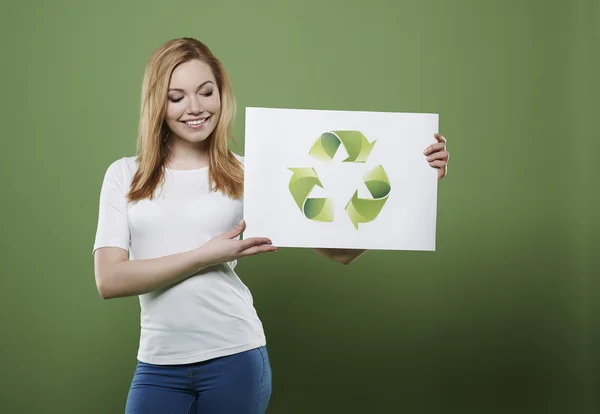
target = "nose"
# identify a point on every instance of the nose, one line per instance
(194, 106)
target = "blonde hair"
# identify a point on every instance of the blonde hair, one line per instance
(225, 171)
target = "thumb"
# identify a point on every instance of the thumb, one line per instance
(236, 231)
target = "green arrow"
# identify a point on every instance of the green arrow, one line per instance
(364, 210)
(301, 184)
(356, 144)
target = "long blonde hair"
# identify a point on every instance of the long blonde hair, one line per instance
(225, 171)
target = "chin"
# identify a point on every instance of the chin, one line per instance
(194, 136)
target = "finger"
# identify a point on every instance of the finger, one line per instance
(434, 148)
(442, 167)
(442, 172)
(438, 163)
(236, 231)
(258, 249)
(441, 155)
(440, 138)
(254, 241)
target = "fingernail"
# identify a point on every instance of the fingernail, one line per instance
(429, 158)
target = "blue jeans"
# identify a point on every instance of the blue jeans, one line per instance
(238, 383)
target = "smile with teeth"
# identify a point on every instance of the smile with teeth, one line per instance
(196, 122)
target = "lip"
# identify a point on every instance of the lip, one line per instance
(196, 127)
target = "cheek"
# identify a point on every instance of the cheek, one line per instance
(173, 113)
(215, 104)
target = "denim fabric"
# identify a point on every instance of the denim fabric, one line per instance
(234, 384)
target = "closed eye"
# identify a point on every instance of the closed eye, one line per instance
(206, 95)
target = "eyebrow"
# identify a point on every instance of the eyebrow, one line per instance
(181, 90)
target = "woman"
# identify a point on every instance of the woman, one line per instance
(168, 231)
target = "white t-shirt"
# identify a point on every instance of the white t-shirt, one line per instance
(207, 315)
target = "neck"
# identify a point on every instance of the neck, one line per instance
(184, 155)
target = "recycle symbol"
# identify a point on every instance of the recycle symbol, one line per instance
(359, 210)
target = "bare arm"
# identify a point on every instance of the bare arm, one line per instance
(343, 256)
(116, 276)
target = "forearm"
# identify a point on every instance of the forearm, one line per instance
(136, 277)
(344, 256)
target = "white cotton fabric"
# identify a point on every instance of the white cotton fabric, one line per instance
(207, 315)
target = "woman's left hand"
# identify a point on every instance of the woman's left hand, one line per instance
(437, 156)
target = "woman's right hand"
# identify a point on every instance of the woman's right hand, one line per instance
(226, 247)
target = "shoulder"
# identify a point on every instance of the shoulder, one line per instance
(122, 169)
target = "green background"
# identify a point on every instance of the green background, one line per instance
(502, 318)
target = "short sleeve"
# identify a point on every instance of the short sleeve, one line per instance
(113, 229)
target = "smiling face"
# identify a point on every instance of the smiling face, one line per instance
(194, 104)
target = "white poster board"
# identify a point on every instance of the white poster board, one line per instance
(340, 179)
